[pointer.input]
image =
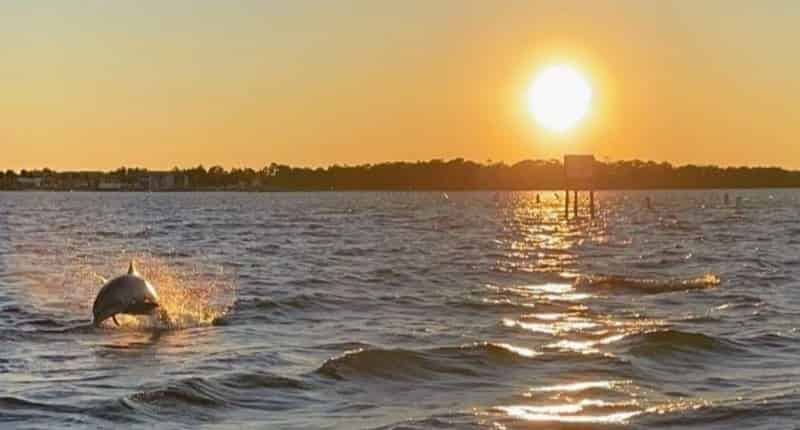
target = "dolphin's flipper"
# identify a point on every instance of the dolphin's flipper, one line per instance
(163, 316)
(114, 317)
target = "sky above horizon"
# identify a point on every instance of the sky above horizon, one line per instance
(97, 84)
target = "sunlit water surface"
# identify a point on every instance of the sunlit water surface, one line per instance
(404, 311)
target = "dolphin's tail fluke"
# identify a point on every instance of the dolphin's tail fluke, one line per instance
(132, 269)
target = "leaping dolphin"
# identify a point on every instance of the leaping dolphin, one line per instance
(127, 294)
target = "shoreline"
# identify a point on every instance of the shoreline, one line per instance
(397, 190)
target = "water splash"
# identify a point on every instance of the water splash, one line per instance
(190, 294)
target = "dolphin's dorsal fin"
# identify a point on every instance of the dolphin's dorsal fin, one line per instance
(132, 269)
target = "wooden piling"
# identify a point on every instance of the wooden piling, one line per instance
(566, 204)
(575, 204)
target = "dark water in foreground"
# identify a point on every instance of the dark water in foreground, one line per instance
(404, 311)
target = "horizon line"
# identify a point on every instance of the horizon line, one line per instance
(488, 162)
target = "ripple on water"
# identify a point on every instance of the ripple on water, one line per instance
(472, 360)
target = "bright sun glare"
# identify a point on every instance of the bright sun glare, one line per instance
(559, 98)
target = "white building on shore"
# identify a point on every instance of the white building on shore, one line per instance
(30, 181)
(105, 185)
(165, 181)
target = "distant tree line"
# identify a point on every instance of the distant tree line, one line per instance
(457, 174)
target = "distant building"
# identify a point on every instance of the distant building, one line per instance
(106, 185)
(162, 181)
(30, 182)
(167, 181)
(79, 184)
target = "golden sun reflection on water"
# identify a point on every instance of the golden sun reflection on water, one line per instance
(590, 411)
(572, 297)
(553, 328)
(586, 346)
(538, 238)
(554, 288)
(545, 317)
(522, 351)
(567, 315)
(559, 413)
(580, 386)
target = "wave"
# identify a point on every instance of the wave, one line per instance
(265, 249)
(510, 301)
(349, 346)
(454, 421)
(666, 343)
(191, 392)
(779, 408)
(736, 301)
(500, 304)
(299, 302)
(9, 403)
(26, 323)
(395, 364)
(647, 286)
(241, 389)
(401, 364)
(40, 322)
(18, 411)
(251, 380)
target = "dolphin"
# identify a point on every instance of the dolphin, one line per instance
(127, 294)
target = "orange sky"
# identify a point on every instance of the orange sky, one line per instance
(97, 84)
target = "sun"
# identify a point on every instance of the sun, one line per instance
(559, 97)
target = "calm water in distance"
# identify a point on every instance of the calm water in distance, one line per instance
(404, 311)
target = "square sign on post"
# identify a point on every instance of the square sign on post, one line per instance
(579, 169)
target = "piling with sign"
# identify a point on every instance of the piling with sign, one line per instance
(578, 175)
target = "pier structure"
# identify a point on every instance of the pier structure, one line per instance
(578, 176)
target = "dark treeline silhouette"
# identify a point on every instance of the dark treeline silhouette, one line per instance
(457, 174)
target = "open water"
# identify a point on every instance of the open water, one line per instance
(404, 311)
